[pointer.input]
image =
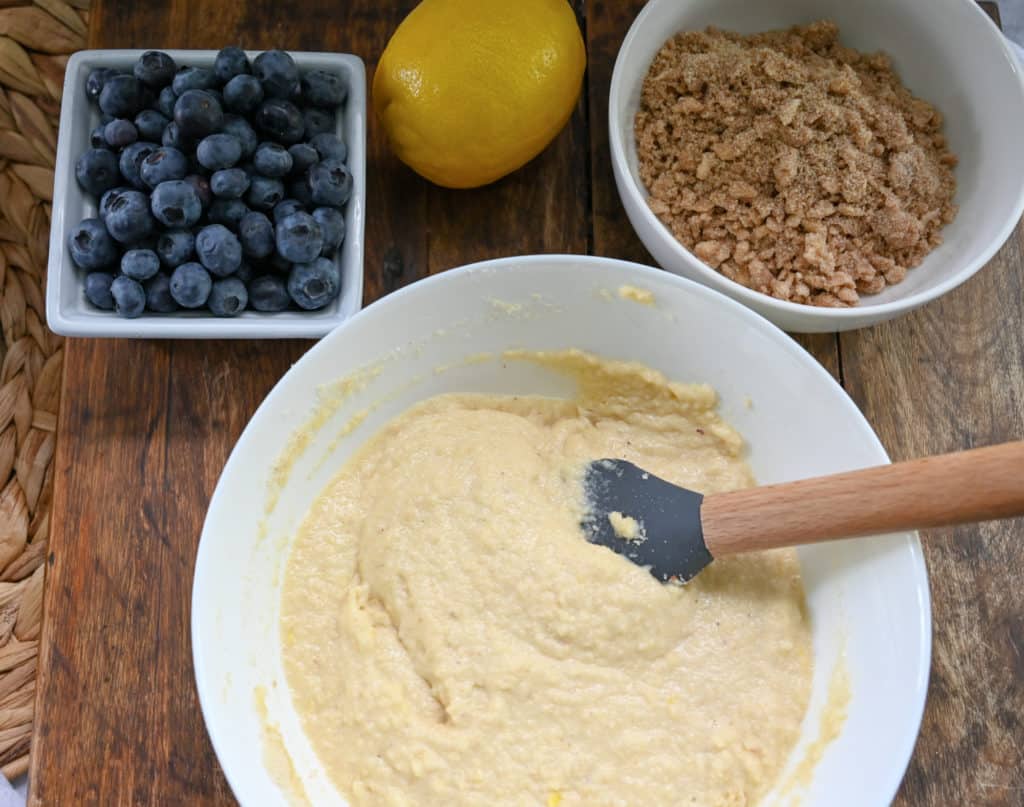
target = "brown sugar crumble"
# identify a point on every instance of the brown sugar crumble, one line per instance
(794, 165)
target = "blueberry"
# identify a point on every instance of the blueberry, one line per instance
(317, 121)
(129, 297)
(97, 138)
(148, 97)
(150, 124)
(313, 285)
(324, 89)
(285, 208)
(272, 160)
(278, 263)
(163, 165)
(240, 128)
(193, 78)
(218, 250)
(303, 156)
(281, 120)
(329, 147)
(97, 171)
(140, 264)
(176, 204)
(228, 298)
(298, 189)
(108, 198)
(201, 185)
(256, 234)
(218, 151)
(299, 238)
(97, 290)
(155, 68)
(190, 285)
(230, 183)
(264, 192)
(165, 102)
(174, 139)
(91, 246)
(277, 73)
(332, 225)
(244, 272)
(130, 162)
(228, 212)
(175, 247)
(330, 183)
(230, 62)
(158, 294)
(243, 94)
(129, 219)
(268, 293)
(198, 113)
(97, 78)
(121, 96)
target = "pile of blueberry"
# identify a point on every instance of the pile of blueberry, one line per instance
(220, 187)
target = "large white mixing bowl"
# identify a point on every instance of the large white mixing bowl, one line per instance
(867, 599)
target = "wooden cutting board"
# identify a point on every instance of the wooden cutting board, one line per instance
(145, 428)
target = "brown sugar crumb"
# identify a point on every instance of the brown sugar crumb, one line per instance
(792, 164)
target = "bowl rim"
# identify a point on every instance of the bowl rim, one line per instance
(197, 324)
(204, 575)
(748, 296)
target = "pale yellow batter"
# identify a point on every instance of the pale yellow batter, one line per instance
(451, 639)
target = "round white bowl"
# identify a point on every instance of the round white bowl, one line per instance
(867, 599)
(946, 51)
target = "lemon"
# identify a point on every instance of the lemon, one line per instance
(470, 90)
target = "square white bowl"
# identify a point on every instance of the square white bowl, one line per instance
(67, 310)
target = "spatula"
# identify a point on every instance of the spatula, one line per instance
(676, 532)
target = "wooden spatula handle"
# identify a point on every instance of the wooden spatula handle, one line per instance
(976, 485)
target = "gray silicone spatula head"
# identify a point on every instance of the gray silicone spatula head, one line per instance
(650, 521)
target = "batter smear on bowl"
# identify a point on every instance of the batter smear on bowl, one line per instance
(449, 637)
(792, 164)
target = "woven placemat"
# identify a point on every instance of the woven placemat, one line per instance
(35, 40)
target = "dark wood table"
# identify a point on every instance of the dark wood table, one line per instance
(145, 428)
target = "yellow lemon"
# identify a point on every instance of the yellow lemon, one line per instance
(470, 90)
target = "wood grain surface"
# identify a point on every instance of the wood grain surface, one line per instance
(145, 428)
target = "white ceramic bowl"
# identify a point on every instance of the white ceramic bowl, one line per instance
(67, 310)
(869, 597)
(946, 51)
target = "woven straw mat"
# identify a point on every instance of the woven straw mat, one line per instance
(35, 40)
